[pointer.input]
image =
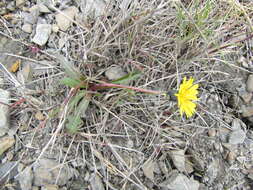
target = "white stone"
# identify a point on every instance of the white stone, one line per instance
(65, 18)
(4, 112)
(249, 83)
(27, 28)
(43, 32)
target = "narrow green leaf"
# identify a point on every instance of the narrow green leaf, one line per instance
(70, 82)
(127, 78)
(73, 124)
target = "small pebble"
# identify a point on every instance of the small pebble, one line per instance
(39, 116)
(231, 157)
(212, 132)
(249, 83)
(27, 28)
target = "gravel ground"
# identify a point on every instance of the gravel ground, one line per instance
(63, 126)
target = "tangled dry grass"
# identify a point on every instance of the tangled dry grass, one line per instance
(121, 130)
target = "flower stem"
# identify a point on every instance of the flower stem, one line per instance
(111, 85)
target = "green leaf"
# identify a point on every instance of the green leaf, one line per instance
(76, 99)
(73, 124)
(74, 120)
(70, 82)
(127, 78)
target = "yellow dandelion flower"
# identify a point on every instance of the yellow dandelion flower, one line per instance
(186, 95)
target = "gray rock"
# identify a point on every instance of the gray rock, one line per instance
(25, 179)
(64, 18)
(96, 183)
(46, 171)
(27, 28)
(237, 137)
(114, 73)
(238, 133)
(177, 181)
(31, 17)
(5, 143)
(178, 158)
(249, 83)
(4, 112)
(43, 32)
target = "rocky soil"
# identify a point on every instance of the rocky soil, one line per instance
(126, 140)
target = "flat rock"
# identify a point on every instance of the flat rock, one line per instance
(47, 170)
(4, 112)
(237, 137)
(6, 143)
(178, 181)
(43, 32)
(178, 158)
(114, 73)
(238, 133)
(65, 18)
(25, 179)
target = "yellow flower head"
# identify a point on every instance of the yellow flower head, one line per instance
(186, 95)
